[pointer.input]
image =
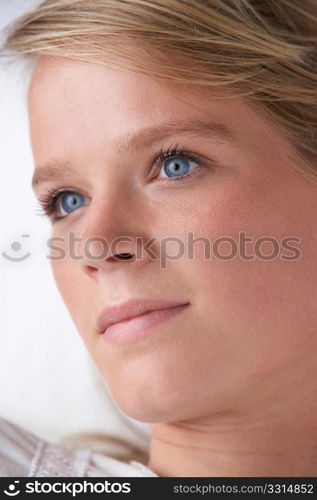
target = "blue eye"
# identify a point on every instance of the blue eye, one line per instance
(176, 167)
(59, 204)
(176, 164)
(71, 201)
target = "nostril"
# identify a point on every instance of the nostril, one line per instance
(124, 256)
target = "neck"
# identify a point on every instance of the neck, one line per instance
(274, 435)
(232, 449)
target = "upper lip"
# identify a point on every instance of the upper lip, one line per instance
(131, 309)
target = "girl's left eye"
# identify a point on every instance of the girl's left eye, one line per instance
(176, 164)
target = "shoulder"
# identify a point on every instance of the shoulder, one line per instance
(17, 447)
(22, 454)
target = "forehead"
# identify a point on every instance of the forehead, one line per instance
(60, 81)
(81, 90)
(58, 76)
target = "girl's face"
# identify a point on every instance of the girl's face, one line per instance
(252, 314)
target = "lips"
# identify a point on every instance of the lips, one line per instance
(132, 309)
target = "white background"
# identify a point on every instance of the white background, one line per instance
(48, 384)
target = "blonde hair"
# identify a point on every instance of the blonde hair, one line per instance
(105, 444)
(264, 51)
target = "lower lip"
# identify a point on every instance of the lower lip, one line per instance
(140, 326)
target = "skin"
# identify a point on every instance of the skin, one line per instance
(229, 385)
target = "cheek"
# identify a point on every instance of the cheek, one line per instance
(64, 278)
(66, 281)
(74, 290)
(258, 303)
(265, 309)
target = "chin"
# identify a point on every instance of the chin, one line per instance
(152, 404)
(149, 415)
(155, 385)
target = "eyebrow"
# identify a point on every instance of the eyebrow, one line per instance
(143, 138)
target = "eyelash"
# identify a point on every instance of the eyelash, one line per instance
(48, 202)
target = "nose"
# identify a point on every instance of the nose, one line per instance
(115, 234)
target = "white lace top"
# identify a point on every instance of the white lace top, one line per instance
(22, 454)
